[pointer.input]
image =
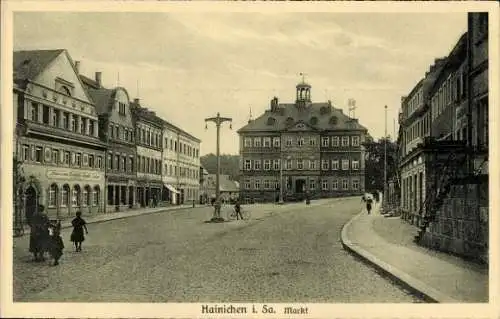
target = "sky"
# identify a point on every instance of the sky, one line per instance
(188, 66)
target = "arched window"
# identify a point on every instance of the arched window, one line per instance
(65, 196)
(52, 195)
(86, 196)
(96, 194)
(76, 198)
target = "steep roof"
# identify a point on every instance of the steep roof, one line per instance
(286, 115)
(28, 64)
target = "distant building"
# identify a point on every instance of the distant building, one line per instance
(58, 141)
(316, 146)
(229, 189)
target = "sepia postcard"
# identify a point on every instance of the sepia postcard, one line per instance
(260, 159)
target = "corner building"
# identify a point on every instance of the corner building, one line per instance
(307, 148)
(58, 137)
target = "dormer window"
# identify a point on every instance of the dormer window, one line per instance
(289, 121)
(64, 90)
(314, 120)
(334, 120)
(323, 110)
(271, 121)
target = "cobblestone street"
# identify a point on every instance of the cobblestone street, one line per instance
(284, 253)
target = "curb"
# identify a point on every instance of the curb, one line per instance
(414, 285)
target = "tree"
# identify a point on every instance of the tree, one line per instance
(374, 164)
(229, 165)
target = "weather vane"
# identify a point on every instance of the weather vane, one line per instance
(303, 77)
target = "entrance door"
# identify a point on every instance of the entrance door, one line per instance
(31, 203)
(300, 186)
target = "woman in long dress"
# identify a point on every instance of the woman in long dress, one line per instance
(77, 236)
(39, 234)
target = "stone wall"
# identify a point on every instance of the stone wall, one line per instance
(461, 225)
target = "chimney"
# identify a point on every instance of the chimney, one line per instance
(98, 78)
(77, 67)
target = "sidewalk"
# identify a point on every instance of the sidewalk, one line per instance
(387, 244)
(103, 217)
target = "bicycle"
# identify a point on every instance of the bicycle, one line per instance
(231, 214)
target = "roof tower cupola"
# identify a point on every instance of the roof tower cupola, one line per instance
(303, 92)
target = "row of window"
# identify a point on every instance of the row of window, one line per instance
(51, 116)
(119, 132)
(37, 154)
(148, 165)
(117, 162)
(149, 137)
(183, 148)
(325, 184)
(326, 141)
(301, 164)
(120, 163)
(454, 88)
(415, 101)
(172, 170)
(73, 196)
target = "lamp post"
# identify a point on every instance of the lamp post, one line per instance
(384, 200)
(218, 120)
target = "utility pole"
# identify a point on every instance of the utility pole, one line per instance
(218, 120)
(384, 200)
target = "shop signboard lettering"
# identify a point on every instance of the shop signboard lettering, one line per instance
(76, 175)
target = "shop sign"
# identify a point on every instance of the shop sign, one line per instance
(73, 175)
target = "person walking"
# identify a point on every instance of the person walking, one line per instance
(77, 236)
(369, 202)
(56, 245)
(39, 234)
(237, 209)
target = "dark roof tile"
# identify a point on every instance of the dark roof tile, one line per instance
(28, 64)
(321, 116)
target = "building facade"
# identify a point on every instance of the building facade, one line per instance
(305, 148)
(63, 158)
(454, 217)
(229, 189)
(181, 165)
(116, 129)
(189, 165)
(416, 122)
(148, 133)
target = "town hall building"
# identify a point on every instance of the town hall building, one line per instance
(307, 148)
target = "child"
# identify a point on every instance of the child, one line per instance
(77, 236)
(56, 245)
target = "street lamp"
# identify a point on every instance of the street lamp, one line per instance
(384, 200)
(218, 120)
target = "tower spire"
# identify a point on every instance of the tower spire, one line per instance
(250, 115)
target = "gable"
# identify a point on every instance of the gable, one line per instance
(60, 73)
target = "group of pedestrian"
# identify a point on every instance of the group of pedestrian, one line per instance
(45, 236)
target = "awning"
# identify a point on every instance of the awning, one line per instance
(171, 188)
